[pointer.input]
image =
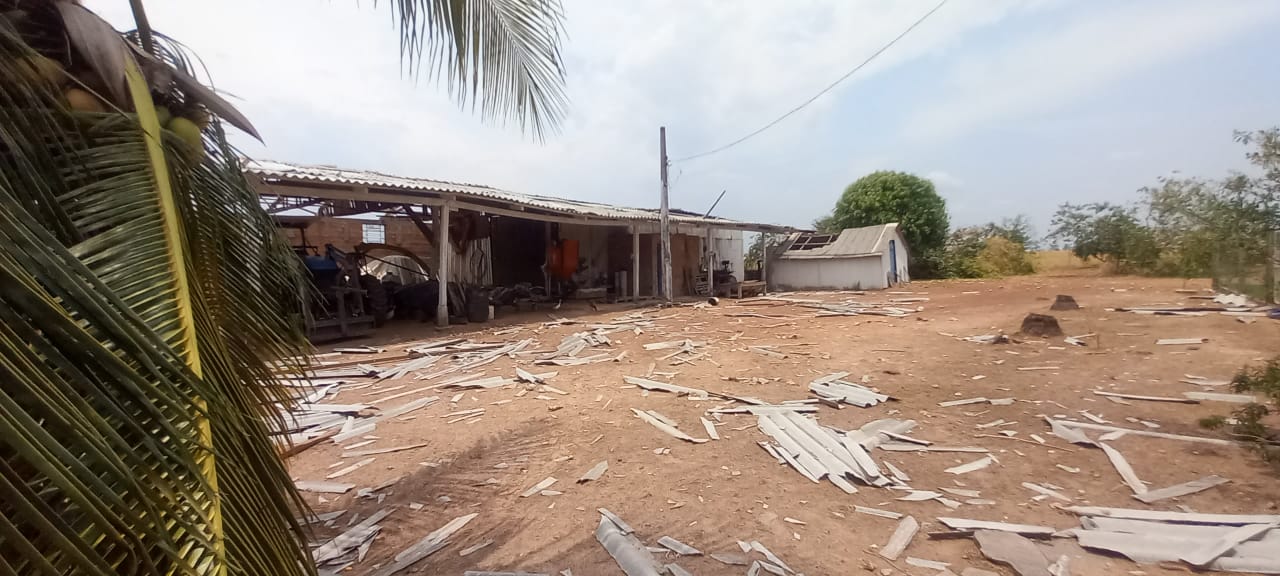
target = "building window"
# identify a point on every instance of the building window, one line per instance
(373, 233)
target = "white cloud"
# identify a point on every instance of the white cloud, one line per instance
(1041, 72)
(321, 78)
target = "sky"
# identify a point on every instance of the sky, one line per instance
(1009, 107)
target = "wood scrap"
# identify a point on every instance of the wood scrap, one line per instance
(350, 469)
(1147, 398)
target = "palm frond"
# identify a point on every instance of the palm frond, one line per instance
(502, 54)
(118, 454)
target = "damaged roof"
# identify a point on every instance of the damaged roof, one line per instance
(848, 243)
(281, 175)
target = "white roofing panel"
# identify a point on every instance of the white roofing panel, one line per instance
(329, 174)
(851, 243)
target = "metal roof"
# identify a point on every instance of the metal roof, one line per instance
(277, 172)
(850, 243)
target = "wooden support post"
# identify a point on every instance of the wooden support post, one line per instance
(442, 265)
(711, 262)
(764, 262)
(635, 263)
(664, 221)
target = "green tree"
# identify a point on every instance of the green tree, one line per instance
(911, 201)
(1106, 231)
(141, 288)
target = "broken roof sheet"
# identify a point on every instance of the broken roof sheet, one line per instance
(272, 172)
(849, 243)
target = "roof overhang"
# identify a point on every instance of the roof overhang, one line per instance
(285, 186)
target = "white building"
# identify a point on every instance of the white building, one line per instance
(870, 258)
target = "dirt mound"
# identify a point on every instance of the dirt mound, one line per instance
(1042, 325)
(1064, 302)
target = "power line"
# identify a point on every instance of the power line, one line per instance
(824, 90)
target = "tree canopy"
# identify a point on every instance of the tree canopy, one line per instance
(885, 196)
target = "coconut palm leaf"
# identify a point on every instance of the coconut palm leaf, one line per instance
(502, 54)
(142, 294)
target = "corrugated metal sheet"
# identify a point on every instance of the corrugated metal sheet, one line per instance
(272, 170)
(851, 243)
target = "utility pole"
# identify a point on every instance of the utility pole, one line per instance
(664, 219)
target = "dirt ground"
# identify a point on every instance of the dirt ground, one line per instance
(710, 495)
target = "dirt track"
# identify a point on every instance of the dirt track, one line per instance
(710, 495)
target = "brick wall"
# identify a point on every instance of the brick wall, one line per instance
(345, 233)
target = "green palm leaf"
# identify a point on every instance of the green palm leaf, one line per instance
(139, 312)
(502, 54)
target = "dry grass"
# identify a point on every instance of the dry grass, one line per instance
(1058, 261)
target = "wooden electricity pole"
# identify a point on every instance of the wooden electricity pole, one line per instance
(664, 219)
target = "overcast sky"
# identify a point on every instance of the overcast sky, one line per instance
(1009, 107)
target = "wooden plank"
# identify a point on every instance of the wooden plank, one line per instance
(1126, 471)
(373, 451)
(1181, 341)
(1219, 397)
(905, 447)
(1203, 555)
(323, 487)
(350, 469)
(1105, 428)
(1184, 489)
(901, 538)
(1024, 529)
(1147, 398)
(301, 447)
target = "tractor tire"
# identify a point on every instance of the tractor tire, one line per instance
(375, 299)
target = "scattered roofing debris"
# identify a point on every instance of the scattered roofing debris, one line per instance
(817, 452)
(665, 424)
(833, 387)
(1179, 490)
(1014, 551)
(1181, 341)
(1227, 542)
(595, 472)
(626, 549)
(901, 538)
(334, 551)
(429, 545)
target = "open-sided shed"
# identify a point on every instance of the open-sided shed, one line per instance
(501, 237)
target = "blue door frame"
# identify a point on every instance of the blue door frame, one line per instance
(893, 260)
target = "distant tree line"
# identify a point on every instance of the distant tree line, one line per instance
(1189, 227)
